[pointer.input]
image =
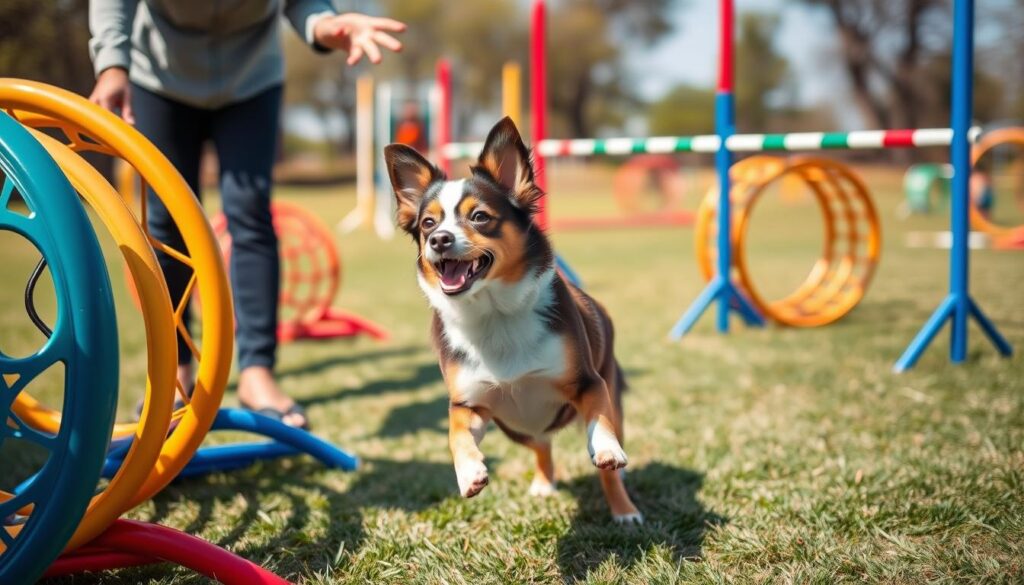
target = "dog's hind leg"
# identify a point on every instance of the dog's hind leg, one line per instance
(544, 476)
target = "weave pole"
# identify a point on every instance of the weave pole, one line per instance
(721, 287)
(511, 92)
(539, 102)
(362, 215)
(958, 304)
(443, 80)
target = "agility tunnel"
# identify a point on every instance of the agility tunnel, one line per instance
(851, 240)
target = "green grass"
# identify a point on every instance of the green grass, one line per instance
(768, 455)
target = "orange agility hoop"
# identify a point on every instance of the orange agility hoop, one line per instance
(1003, 236)
(850, 251)
(85, 127)
(310, 276)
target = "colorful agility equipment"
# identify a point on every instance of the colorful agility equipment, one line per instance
(310, 277)
(958, 304)
(722, 288)
(711, 143)
(850, 250)
(40, 519)
(921, 181)
(143, 457)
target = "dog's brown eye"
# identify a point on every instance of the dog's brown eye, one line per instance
(480, 217)
(428, 222)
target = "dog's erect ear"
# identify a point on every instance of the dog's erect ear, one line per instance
(507, 160)
(410, 174)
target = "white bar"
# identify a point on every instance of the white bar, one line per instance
(581, 147)
(745, 142)
(549, 147)
(803, 140)
(932, 137)
(660, 144)
(618, 145)
(706, 143)
(866, 139)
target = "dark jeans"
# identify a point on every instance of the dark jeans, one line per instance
(244, 135)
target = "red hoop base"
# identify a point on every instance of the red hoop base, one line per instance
(128, 543)
(331, 324)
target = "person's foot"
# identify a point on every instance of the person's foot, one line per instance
(258, 391)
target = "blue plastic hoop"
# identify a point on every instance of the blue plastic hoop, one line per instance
(84, 340)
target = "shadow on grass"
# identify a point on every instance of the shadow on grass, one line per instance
(412, 418)
(298, 550)
(422, 375)
(675, 521)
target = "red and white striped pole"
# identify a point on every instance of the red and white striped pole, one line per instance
(538, 102)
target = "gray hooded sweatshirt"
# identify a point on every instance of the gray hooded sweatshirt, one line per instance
(205, 53)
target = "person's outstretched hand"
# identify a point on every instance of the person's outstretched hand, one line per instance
(358, 34)
(113, 92)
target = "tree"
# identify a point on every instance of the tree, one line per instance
(683, 110)
(888, 91)
(588, 83)
(46, 41)
(760, 70)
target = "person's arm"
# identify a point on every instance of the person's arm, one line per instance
(358, 34)
(110, 23)
(303, 16)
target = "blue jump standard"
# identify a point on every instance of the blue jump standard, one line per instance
(958, 304)
(721, 287)
(567, 271)
(286, 441)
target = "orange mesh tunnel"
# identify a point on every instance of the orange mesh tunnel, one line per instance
(851, 247)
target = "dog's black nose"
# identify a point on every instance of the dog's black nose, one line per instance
(441, 241)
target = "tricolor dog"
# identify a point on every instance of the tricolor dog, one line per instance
(517, 343)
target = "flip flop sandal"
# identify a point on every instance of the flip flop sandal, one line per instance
(276, 414)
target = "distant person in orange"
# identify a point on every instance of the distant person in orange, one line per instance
(410, 129)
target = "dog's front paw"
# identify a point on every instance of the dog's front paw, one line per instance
(610, 458)
(542, 488)
(605, 449)
(472, 478)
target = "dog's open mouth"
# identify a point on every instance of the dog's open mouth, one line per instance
(458, 275)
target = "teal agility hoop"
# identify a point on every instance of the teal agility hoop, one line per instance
(83, 340)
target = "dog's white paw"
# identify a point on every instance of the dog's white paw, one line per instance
(611, 459)
(604, 448)
(472, 478)
(542, 488)
(632, 518)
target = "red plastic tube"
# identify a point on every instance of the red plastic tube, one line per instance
(130, 543)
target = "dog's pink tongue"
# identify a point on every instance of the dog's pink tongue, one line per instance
(455, 273)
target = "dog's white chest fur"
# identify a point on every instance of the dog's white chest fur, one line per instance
(511, 359)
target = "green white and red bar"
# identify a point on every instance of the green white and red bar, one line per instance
(709, 143)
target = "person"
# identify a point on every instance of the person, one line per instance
(185, 72)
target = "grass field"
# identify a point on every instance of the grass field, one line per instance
(768, 455)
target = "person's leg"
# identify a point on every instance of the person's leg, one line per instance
(178, 131)
(245, 135)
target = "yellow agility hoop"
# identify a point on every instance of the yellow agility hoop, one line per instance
(88, 128)
(157, 315)
(850, 251)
